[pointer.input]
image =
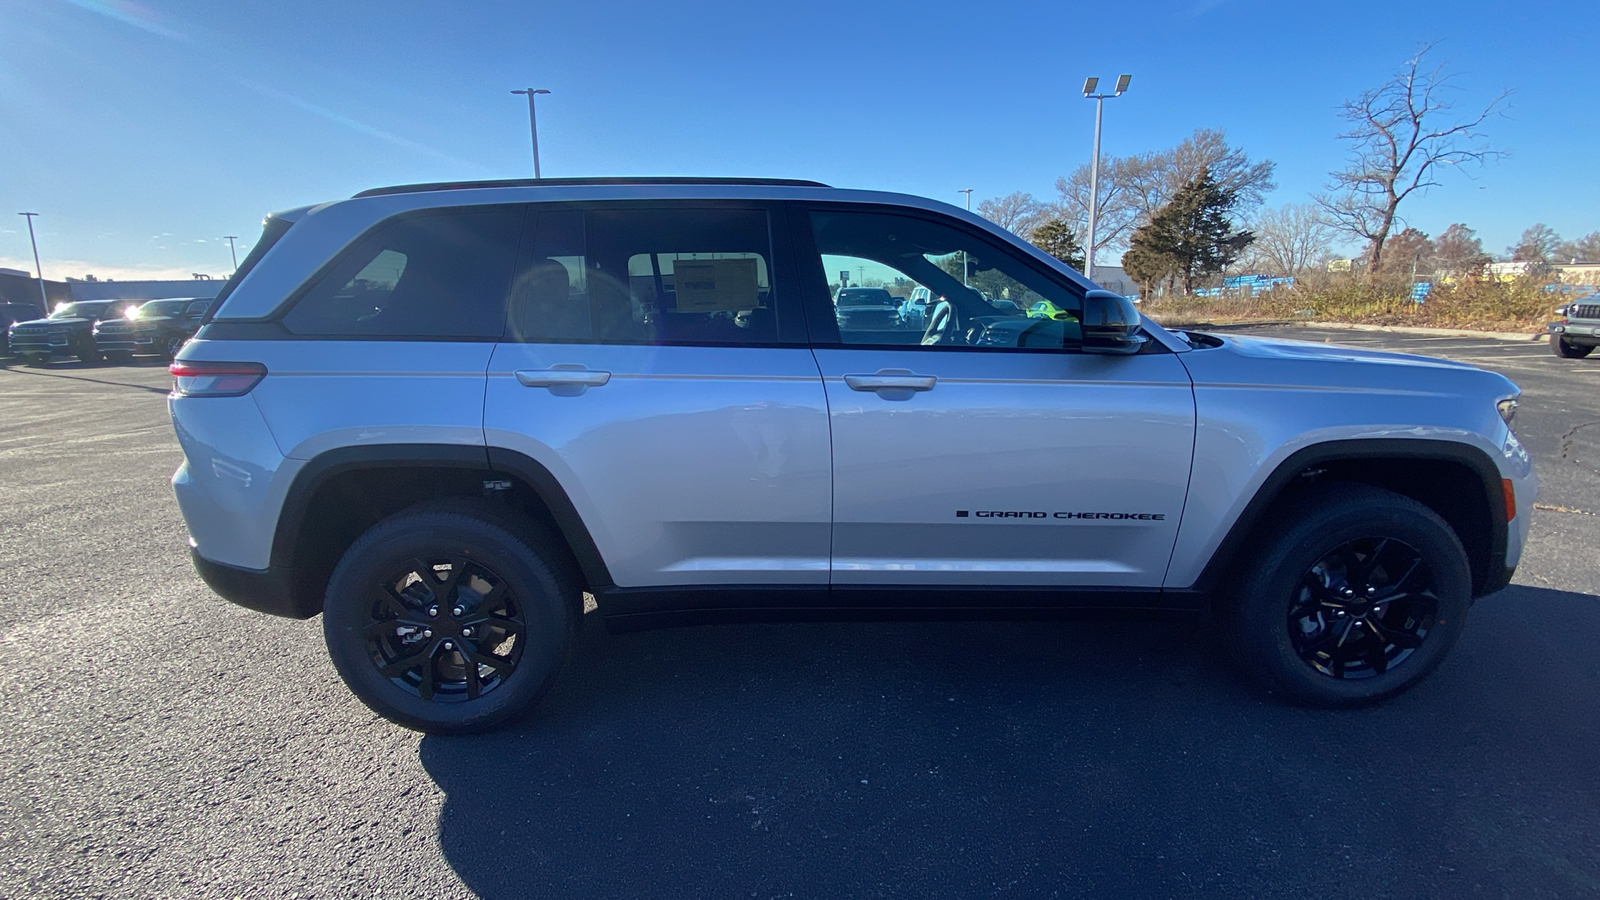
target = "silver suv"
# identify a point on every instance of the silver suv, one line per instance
(439, 414)
(1575, 330)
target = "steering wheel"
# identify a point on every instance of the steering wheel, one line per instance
(941, 324)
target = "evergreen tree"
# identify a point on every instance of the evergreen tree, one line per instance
(1055, 237)
(1189, 238)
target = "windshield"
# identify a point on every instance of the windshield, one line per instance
(159, 308)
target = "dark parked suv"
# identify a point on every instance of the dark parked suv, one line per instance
(69, 331)
(12, 313)
(155, 328)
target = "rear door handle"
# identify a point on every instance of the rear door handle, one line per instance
(892, 384)
(563, 380)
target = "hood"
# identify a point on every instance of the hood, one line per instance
(1276, 363)
(54, 323)
(1282, 348)
(142, 321)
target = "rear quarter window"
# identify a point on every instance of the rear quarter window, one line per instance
(442, 274)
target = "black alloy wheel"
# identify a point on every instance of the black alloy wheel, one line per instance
(1362, 609)
(173, 344)
(1352, 594)
(451, 617)
(445, 628)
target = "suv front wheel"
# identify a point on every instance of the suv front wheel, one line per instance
(1357, 593)
(447, 621)
(1561, 348)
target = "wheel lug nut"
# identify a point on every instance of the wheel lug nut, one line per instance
(1371, 590)
(449, 645)
(458, 611)
(433, 611)
(427, 632)
(467, 631)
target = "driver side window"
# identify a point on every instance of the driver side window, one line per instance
(907, 281)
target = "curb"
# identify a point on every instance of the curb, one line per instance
(1351, 326)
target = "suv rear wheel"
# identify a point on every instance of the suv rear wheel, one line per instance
(1358, 593)
(449, 622)
(1561, 348)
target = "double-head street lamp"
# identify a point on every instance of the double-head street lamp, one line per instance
(533, 124)
(1089, 86)
(37, 270)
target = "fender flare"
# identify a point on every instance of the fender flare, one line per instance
(1421, 449)
(488, 460)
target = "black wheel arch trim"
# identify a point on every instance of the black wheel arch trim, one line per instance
(327, 465)
(1496, 574)
(555, 499)
(490, 460)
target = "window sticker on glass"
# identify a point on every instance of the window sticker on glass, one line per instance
(704, 285)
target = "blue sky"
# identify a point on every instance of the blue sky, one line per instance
(143, 132)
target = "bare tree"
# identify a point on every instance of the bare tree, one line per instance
(1458, 251)
(1584, 249)
(1017, 212)
(1134, 188)
(1410, 252)
(1539, 243)
(1400, 146)
(1153, 179)
(1290, 239)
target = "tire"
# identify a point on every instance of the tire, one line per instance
(37, 360)
(521, 604)
(1560, 347)
(1294, 629)
(119, 357)
(171, 345)
(86, 352)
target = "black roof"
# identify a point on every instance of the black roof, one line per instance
(560, 182)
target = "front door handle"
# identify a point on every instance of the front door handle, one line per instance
(563, 380)
(892, 384)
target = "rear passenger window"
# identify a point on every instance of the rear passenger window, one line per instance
(550, 298)
(443, 274)
(698, 276)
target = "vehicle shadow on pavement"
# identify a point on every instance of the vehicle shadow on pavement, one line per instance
(958, 759)
(46, 373)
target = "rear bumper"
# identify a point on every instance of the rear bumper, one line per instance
(269, 590)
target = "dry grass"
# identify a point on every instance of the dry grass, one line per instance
(1516, 307)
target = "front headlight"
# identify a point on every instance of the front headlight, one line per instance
(1508, 410)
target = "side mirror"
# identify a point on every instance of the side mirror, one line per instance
(1110, 324)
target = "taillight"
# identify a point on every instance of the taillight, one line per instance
(195, 378)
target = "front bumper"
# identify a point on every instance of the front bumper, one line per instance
(26, 344)
(127, 343)
(1580, 333)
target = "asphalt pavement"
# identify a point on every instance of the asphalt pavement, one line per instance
(155, 741)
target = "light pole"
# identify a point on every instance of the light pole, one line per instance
(533, 124)
(230, 238)
(964, 276)
(1089, 85)
(37, 270)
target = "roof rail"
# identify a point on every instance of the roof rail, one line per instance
(563, 182)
